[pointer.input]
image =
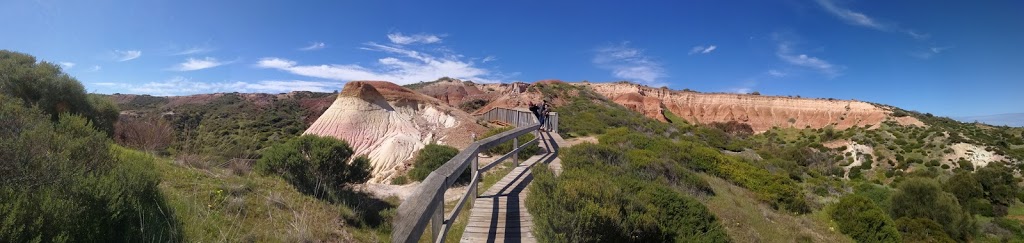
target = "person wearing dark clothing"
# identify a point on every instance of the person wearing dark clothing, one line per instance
(542, 114)
(536, 112)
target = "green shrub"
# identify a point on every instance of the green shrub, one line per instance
(919, 197)
(504, 148)
(861, 219)
(401, 180)
(46, 86)
(315, 164)
(922, 230)
(430, 158)
(594, 200)
(64, 182)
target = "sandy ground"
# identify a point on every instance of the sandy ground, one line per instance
(856, 150)
(579, 140)
(974, 153)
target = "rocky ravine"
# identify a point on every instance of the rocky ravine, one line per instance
(761, 112)
(389, 124)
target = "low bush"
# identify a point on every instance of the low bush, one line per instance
(920, 197)
(861, 219)
(506, 147)
(430, 158)
(593, 200)
(315, 164)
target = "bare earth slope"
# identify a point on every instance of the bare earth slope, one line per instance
(389, 124)
(761, 112)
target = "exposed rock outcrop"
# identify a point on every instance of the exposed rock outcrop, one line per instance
(761, 112)
(389, 124)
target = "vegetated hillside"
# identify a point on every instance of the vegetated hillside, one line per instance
(226, 126)
(390, 124)
(64, 181)
(963, 177)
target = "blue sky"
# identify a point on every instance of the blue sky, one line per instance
(948, 58)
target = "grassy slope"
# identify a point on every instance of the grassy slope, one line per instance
(748, 220)
(215, 205)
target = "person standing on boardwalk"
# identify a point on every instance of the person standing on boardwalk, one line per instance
(535, 109)
(542, 115)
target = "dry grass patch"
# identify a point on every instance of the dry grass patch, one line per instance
(748, 220)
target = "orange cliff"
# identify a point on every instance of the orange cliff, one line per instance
(761, 112)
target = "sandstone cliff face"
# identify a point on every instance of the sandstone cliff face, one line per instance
(389, 124)
(454, 91)
(761, 112)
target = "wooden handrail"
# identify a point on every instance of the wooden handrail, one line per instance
(426, 203)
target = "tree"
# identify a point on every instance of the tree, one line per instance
(315, 164)
(45, 85)
(921, 230)
(63, 181)
(923, 198)
(967, 189)
(859, 217)
(430, 158)
(999, 186)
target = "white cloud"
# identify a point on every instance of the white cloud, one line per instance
(193, 51)
(95, 68)
(106, 84)
(400, 65)
(121, 56)
(629, 63)
(314, 46)
(776, 73)
(740, 90)
(786, 53)
(192, 64)
(67, 64)
(860, 19)
(930, 52)
(489, 59)
(184, 86)
(702, 49)
(400, 39)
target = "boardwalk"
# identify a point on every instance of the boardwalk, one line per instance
(499, 214)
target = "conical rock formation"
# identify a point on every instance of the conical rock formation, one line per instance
(389, 124)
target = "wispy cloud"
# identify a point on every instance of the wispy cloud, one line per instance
(861, 19)
(192, 64)
(185, 86)
(400, 64)
(776, 73)
(193, 51)
(121, 56)
(703, 49)
(489, 59)
(930, 52)
(629, 63)
(400, 39)
(314, 46)
(95, 68)
(67, 64)
(786, 53)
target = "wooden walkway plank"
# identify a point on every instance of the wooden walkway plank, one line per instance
(500, 213)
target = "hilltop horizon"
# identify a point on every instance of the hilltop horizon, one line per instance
(951, 59)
